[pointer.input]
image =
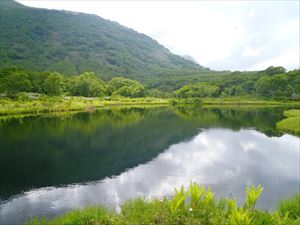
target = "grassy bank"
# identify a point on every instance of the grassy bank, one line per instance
(292, 113)
(196, 205)
(63, 104)
(290, 124)
(46, 104)
(234, 102)
(248, 101)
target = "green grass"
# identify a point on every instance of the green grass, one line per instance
(248, 101)
(235, 101)
(197, 205)
(46, 104)
(290, 124)
(291, 206)
(33, 105)
(292, 113)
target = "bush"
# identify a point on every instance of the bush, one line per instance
(197, 205)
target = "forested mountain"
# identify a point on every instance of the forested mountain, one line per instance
(71, 43)
(37, 42)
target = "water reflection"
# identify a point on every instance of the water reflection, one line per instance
(224, 159)
(41, 152)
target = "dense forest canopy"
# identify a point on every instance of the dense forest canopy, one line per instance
(273, 82)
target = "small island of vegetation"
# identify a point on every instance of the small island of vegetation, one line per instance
(292, 123)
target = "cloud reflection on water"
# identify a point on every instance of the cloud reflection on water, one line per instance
(226, 160)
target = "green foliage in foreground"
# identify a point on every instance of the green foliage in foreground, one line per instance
(197, 205)
(292, 123)
(291, 207)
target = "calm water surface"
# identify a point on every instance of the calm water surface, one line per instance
(50, 165)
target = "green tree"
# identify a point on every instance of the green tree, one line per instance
(276, 86)
(248, 87)
(5, 71)
(127, 87)
(198, 90)
(294, 81)
(37, 80)
(88, 85)
(279, 86)
(119, 82)
(274, 70)
(54, 84)
(263, 86)
(16, 82)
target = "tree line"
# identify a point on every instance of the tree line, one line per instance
(272, 83)
(14, 80)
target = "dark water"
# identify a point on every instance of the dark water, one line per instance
(50, 165)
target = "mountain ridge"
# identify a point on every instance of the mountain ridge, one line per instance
(71, 43)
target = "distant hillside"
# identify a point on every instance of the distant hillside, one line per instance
(71, 43)
(188, 57)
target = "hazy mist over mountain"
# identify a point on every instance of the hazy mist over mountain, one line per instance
(221, 35)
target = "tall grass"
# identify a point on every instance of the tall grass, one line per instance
(46, 104)
(196, 205)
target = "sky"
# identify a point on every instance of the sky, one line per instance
(221, 35)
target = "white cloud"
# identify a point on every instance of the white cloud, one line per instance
(221, 158)
(221, 35)
(250, 52)
(288, 59)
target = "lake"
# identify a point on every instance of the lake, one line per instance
(51, 164)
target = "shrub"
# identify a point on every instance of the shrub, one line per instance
(197, 205)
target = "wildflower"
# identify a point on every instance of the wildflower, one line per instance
(190, 209)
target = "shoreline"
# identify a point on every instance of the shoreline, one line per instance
(52, 105)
